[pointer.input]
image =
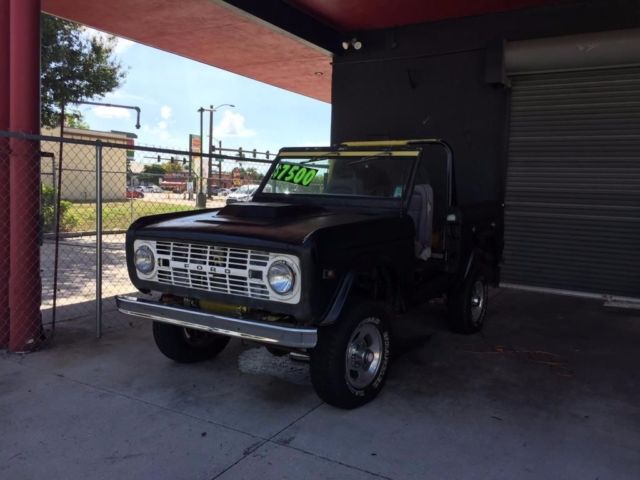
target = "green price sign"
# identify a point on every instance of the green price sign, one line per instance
(292, 173)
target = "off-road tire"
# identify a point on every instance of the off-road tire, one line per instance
(464, 316)
(185, 345)
(330, 375)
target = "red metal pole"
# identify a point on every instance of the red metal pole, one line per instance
(24, 110)
(4, 173)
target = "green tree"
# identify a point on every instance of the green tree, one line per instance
(173, 167)
(75, 120)
(251, 173)
(74, 67)
(154, 168)
(152, 173)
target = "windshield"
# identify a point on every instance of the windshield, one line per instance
(383, 175)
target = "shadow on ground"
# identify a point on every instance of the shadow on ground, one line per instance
(549, 390)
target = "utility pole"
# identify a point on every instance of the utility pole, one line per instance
(201, 198)
(211, 110)
(220, 164)
(201, 201)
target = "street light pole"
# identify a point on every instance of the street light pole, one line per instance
(211, 110)
(220, 164)
(201, 199)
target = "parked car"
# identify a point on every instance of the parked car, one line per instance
(242, 194)
(155, 189)
(214, 190)
(337, 243)
(134, 193)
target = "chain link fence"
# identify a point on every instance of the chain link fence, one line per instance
(4, 245)
(20, 240)
(91, 191)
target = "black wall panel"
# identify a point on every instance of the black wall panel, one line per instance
(402, 99)
(432, 80)
(446, 80)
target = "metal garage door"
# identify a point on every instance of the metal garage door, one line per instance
(572, 216)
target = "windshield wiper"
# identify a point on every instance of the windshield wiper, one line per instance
(368, 159)
(313, 160)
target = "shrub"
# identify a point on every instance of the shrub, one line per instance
(47, 213)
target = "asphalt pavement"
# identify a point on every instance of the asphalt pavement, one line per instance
(549, 390)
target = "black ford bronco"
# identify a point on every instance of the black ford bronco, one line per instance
(336, 242)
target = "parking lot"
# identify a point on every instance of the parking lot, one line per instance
(180, 199)
(549, 390)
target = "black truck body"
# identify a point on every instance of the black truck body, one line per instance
(336, 247)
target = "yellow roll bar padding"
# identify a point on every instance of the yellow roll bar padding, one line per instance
(338, 153)
(383, 143)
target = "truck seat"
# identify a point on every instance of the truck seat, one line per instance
(344, 186)
(421, 211)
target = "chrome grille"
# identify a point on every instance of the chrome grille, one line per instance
(213, 268)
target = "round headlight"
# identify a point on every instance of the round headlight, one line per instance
(281, 278)
(144, 260)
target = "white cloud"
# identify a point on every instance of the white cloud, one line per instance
(120, 44)
(160, 135)
(110, 112)
(165, 112)
(232, 125)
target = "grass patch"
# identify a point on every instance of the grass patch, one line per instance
(117, 215)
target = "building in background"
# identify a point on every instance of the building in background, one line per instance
(79, 164)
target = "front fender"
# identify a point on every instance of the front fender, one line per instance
(339, 299)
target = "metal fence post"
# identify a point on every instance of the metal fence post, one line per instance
(98, 239)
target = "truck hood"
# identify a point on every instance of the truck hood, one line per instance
(283, 223)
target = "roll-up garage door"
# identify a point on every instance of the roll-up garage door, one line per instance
(572, 205)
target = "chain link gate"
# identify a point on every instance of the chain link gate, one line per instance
(90, 194)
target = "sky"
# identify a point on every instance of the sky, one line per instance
(169, 89)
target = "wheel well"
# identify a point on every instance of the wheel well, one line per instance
(487, 242)
(376, 283)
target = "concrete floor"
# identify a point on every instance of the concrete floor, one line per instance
(550, 390)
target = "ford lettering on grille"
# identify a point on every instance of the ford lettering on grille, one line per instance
(214, 268)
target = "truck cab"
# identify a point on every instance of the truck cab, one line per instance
(335, 243)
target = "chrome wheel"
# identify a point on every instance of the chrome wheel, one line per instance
(478, 293)
(364, 354)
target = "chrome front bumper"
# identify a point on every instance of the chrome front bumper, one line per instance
(270, 333)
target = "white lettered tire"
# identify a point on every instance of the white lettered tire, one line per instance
(351, 359)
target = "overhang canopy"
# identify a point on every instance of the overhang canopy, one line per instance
(358, 15)
(288, 44)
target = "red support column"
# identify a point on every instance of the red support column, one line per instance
(4, 173)
(24, 110)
